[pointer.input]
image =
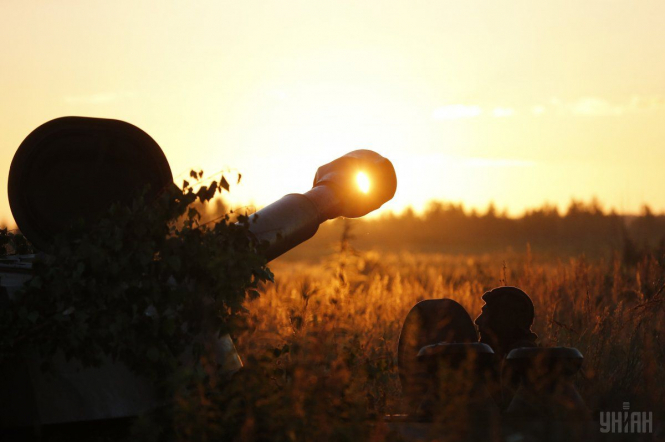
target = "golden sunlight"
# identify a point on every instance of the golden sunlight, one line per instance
(363, 182)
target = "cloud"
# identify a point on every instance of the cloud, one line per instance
(600, 107)
(503, 112)
(98, 98)
(645, 104)
(538, 110)
(595, 107)
(496, 162)
(586, 106)
(456, 111)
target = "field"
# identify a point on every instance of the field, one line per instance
(319, 345)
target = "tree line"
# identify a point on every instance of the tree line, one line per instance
(583, 228)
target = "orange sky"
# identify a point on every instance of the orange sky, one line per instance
(516, 102)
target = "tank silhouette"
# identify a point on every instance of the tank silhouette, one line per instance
(106, 161)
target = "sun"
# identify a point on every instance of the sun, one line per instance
(363, 182)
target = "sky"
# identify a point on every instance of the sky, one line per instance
(513, 102)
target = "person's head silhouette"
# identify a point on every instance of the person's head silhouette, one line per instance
(506, 319)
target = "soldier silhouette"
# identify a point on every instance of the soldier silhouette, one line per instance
(505, 324)
(506, 319)
(444, 369)
(431, 321)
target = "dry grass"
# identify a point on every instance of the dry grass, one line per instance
(320, 344)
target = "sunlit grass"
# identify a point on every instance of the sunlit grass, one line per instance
(320, 344)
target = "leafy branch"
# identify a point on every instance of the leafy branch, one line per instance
(147, 284)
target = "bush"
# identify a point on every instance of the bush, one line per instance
(141, 285)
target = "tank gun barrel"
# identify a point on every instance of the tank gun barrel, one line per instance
(350, 186)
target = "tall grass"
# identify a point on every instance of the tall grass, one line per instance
(319, 345)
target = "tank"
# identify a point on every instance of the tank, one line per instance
(106, 161)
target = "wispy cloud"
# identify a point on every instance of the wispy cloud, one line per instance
(456, 111)
(503, 112)
(595, 107)
(97, 98)
(538, 110)
(587, 106)
(646, 104)
(496, 162)
(601, 107)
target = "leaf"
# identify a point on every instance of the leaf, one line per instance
(33, 316)
(193, 213)
(152, 354)
(151, 311)
(169, 326)
(193, 174)
(225, 184)
(202, 194)
(174, 263)
(239, 177)
(36, 282)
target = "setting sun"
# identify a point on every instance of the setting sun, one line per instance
(363, 182)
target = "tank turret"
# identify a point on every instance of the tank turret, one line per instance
(102, 162)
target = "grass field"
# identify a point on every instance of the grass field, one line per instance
(319, 345)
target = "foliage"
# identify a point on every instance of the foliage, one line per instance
(146, 285)
(13, 243)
